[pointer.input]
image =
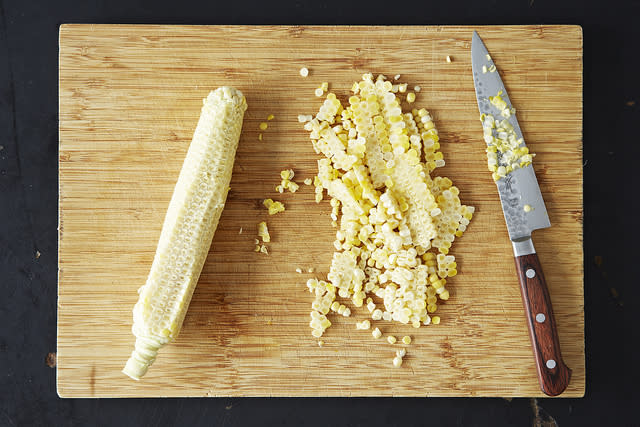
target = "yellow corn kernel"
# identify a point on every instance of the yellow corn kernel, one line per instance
(391, 339)
(286, 174)
(263, 126)
(273, 207)
(263, 232)
(435, 320)
(411, 97)
(270, 117)
(406, 340)
(292, 186)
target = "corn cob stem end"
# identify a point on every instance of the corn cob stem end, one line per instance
(142, 357)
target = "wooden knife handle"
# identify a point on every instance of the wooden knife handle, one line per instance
(553, 374)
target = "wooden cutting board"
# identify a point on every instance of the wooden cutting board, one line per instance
(130, 97)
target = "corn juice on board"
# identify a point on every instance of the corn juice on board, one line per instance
(130, 97)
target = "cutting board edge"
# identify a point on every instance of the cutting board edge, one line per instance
(66, 27)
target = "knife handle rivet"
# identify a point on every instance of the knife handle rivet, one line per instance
(551, 363)
(530, 273)
(540, 318)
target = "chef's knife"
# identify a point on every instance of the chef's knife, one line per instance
(524, 211)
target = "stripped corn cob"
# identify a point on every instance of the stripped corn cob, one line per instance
(189, 226)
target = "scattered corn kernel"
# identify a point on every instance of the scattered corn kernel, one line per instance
(505, 150)
(391, 339)
(263, 232)
(365, 324)
(263, 126)
(396, 222)
(376, 333)
(448, 58)
(435, 320)
(406, 339)
(304, 71)
(527, 208)
(397, 362)
(308, 181)
(270, 117)
(319, 92)
(273, 207)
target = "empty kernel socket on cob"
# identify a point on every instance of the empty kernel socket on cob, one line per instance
(188, 229)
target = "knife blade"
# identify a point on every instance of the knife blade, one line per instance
(524, 211)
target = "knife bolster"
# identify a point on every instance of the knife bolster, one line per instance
(523, 247)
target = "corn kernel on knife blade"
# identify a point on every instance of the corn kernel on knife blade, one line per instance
(520, 187)
(517, 189)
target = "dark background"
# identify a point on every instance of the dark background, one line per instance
(28, 216)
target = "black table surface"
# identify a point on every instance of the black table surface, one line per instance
(28, 217)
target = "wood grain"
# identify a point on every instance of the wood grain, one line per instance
(130, 97)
